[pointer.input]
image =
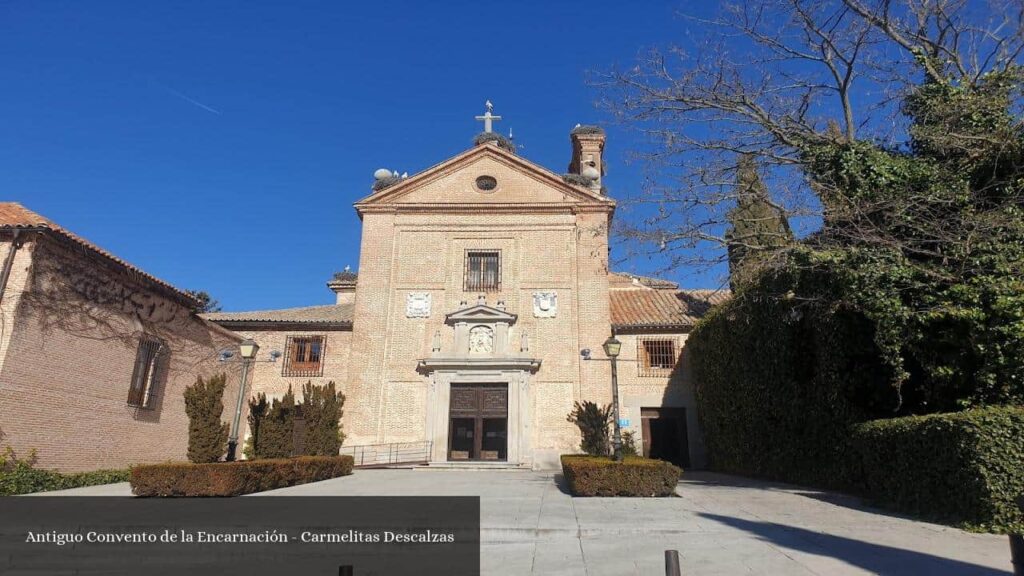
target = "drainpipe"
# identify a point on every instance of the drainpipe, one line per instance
(5, 274)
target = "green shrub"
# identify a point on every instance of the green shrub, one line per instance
(204, 404)
(602, 476)
(277, 433)
(593, 422)
(629, 447)
(965, 468)
(257, 412)
(235, 478)
(19, 476)
(322, 410)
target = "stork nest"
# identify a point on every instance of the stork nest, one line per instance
(501, 141)
(383, 183)
(576, 179)
(587, 129)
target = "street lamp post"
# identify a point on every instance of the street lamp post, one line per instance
(247, 349)
(612, 347)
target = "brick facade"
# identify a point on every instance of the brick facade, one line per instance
(72, 322)
(551, 237)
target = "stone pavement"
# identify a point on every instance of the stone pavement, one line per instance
(720, 525)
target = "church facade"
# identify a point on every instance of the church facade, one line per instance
(482, 284)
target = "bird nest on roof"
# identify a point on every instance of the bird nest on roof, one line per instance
(577, 179)
(501, 141)
(383, 183)
(587, 129)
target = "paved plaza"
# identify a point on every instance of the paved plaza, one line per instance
(720, 525)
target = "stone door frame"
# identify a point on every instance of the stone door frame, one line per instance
(439, 402)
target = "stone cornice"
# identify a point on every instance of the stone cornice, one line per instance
(489, 208)
(428, 365)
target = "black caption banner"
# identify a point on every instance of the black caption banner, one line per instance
(330, 535)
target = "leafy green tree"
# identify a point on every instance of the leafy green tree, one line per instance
(920, 195)
(204, 404)
(277, 431)
(322, 411)
(593, 422)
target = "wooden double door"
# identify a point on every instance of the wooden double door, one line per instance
(478, 422)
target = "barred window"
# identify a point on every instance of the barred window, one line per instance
(147, 372)
(304, 356)
(483, 271)
(657, 357)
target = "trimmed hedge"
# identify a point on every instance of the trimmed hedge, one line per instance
(20, 476)
(965, 468)
(602, 476)
(28, 480)
(235, 478)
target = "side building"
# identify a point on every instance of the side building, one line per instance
(94, 352)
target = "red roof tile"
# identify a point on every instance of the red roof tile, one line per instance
(14, 216)
(662, 308)
(335, 315)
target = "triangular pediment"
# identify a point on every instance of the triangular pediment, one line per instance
(480, 313)
(454, 182)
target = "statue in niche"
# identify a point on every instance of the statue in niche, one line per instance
(481, 340)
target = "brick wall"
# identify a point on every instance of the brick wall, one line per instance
(68, 364)
(268, 377)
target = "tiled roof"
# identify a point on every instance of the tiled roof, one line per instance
(14, 216)
(627, 280)
(662, 308)
(332, 315)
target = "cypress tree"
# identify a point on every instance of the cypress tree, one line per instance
(756, 227)
(278, 428)
(207, 435)
(322, 410)
(257, 413)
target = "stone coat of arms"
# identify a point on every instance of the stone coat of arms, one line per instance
(545, 304)
(417, 305)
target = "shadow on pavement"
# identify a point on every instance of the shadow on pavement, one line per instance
(875, 558)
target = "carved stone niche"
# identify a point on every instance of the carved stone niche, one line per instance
(481, 330)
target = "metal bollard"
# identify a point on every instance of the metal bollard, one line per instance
(1017, 545)
(672, 563)
(1017, 554)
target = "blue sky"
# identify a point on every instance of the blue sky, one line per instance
(220, 145)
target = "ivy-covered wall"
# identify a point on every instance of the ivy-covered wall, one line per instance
(779, 380)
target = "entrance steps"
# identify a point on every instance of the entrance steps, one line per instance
(475, 466)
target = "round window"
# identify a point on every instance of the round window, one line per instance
(486, 183)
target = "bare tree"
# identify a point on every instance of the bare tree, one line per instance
(774, 79)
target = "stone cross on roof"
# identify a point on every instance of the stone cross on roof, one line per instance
(488, 117)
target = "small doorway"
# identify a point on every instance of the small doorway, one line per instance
(478, 422)
(664, 431)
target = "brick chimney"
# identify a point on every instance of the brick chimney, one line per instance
(588, 152)
(343, 284)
